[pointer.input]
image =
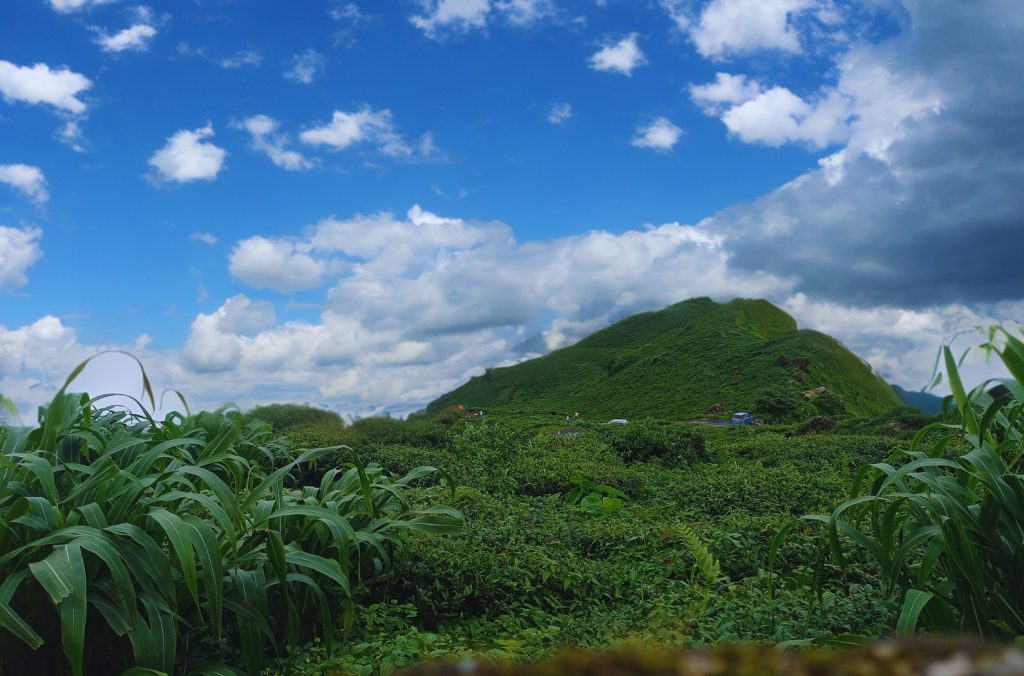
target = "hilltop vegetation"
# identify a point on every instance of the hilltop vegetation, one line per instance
(682, 361)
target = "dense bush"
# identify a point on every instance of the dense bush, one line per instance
(548, 465)
(780, 405)
(283, 416)
(812, 453)
(645, 440)
(382, 431)
(717, 490)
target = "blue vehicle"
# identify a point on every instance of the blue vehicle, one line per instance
(742, 418)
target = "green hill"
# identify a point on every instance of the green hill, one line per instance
(681, 361)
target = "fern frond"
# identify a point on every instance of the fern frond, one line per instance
(707, 564)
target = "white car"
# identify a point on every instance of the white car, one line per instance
(618, 421)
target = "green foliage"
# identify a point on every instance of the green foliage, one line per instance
(552, 551)
(707, 564)
(946, 531)
(167, 545)
(779, 405)
(903, 423)
(595, 498)
(676, 363)
(283, 416)
(645, 440)
(546, 466)
(731, 486)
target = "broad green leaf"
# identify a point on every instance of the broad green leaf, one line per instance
(913, 603)
(178, 535)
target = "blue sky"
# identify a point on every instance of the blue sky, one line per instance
(360, 204)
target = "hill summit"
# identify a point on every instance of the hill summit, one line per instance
(684, 361)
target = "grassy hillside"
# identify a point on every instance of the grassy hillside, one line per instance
(679, 362)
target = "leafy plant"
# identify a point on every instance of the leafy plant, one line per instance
(947, 531)
(645, 440)
(706, 563)
(595, 498)
(181, 547)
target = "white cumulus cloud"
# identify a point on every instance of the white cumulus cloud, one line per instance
(187, 157)
(67, 6)
(623, 56)
(27, 179)
(727, 27)
(19, 250)
(265, 138)
(275, 264)
(456, 15)
(660, 135)
(135, 38)
(726, 90)
(867, 109)
(38, 84)
(368, 126)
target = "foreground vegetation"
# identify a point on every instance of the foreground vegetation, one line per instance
(216, 542)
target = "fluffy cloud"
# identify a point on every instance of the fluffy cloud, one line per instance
(368, 126)
(281, 265)
(900, 343)
(623, 56)
(135, 38)
(215, 340)
(19, 250)
(921, 205)
(660, 135)
(727, 27)
(427, 275)
(872, 103)
(415, 305)
(526, 12)
(266, 139)
(559, 113)
(306, 66)
(452, 15)
(187, 157)
(727, 90)
(67, 6)
(27, 179)
(39, 84)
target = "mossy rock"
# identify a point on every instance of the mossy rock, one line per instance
(902, 657)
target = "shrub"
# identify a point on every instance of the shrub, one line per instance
(717, 490)
(546, 466)
(383, 431)
(283, 416)
(645, 440)
(813, 453)
(779, 405)
(815, 425)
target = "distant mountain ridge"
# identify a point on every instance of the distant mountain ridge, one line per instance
(923, 401)
(682, 361)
